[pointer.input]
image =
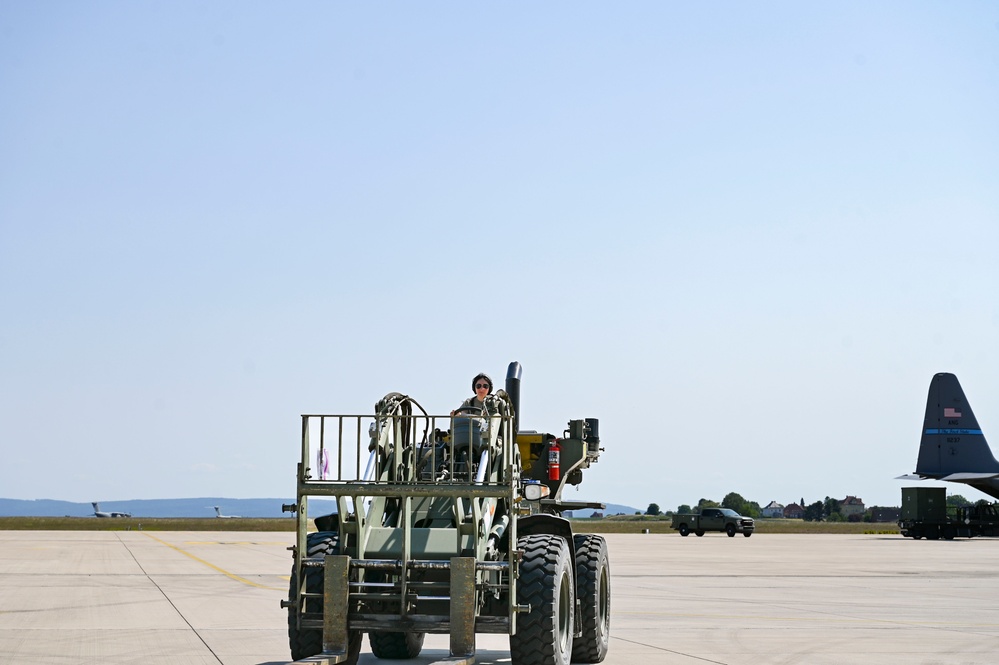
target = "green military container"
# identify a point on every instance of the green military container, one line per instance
(924, 515)
(924, 503)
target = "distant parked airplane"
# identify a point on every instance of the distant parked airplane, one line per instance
(99, 513)
(218, 513)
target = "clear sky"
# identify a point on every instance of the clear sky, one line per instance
(743, 235)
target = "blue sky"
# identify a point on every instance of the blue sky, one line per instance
(744, 236)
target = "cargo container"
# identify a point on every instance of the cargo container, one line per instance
(925, 515)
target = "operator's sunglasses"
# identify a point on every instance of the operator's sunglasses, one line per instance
(481, 385)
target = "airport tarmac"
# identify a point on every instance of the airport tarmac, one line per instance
(160, 598)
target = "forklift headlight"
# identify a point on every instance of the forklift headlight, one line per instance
(534, 491)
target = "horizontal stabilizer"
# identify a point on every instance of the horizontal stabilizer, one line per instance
(912, 476)
(969, 477)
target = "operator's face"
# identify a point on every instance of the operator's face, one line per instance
(481, 388)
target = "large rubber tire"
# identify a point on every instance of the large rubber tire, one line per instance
(699, 533)
(544, 635)
(309, 641)
(594, 594)
(395, 646)
(684, 530)
(730, 530)
(747, 534)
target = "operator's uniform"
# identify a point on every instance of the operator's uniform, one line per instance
(474, 401)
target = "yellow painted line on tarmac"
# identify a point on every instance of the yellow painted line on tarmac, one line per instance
(212, 565)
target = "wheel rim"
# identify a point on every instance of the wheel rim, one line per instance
(604, 602)
(564, 613)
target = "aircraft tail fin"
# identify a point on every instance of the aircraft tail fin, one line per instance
(97, 508)
(952, 441)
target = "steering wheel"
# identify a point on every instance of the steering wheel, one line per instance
(468, 408)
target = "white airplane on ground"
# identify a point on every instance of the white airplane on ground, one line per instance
(99, 513)
(218, 513)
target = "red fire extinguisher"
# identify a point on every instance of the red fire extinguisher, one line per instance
(553, 461)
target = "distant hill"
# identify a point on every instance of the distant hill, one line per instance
(199, 507)
(612, 509)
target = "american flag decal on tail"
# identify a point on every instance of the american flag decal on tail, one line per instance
(951, 413)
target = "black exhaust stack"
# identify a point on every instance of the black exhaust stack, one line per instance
(513, 390)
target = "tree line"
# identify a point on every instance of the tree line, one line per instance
(732, 500)
(826, 510)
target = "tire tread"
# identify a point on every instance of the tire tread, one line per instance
(536, 642)
(591, 558)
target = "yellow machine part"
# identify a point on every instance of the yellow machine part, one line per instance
(532, 448)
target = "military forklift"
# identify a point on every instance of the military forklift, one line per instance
(454, 525)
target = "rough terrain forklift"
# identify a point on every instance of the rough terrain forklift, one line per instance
(454, 526)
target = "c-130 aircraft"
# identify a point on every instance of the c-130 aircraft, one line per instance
(953, 447)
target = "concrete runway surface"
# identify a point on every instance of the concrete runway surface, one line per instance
(211, 597)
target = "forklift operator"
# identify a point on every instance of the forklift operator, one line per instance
(482, 385)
